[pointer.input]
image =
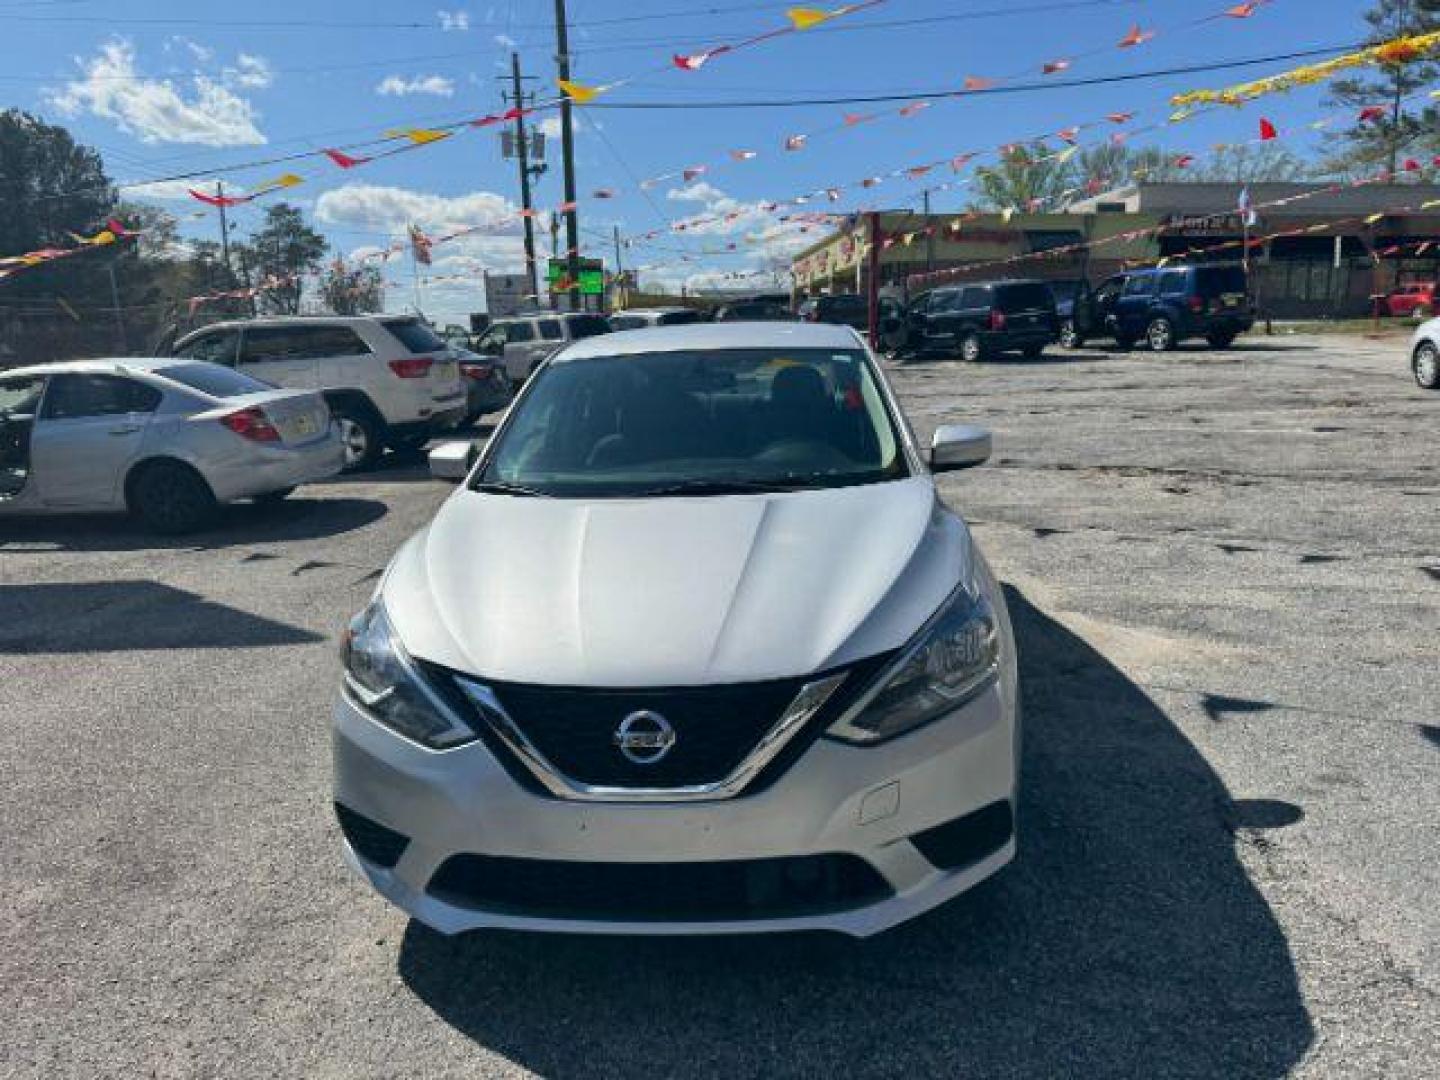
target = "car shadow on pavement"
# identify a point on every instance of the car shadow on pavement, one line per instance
(1127, 940)
(297, 518)
(124, 616)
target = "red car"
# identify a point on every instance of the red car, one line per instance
(1412, 300)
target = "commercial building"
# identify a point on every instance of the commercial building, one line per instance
(1317, 250)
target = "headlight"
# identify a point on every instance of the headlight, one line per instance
(955, 656)
(382, 680)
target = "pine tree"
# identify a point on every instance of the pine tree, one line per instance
(1407, 126)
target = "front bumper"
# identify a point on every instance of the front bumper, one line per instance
(866, 802)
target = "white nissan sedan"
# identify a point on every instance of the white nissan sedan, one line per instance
(169, 440)
(696, 648)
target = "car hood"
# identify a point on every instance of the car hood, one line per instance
(674, 591)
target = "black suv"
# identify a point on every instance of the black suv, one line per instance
(984, 319)
(1164, 307)
(845, 309)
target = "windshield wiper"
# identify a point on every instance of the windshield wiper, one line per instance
(501, 487)
(719, 487)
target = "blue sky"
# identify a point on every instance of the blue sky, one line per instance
(165, 86)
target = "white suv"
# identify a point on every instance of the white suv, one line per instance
(524, 342)
(389, 380)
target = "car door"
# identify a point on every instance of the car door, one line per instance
(1172, 289)
(1132, 309)
(341, 359)
(19, 402)
(278, 355)
(90, 429)
(1099, 313)
(971, 313)
(940, 320)
(521, 340)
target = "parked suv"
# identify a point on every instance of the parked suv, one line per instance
(525, 341)
(389, 381)
(1164, 307)
(843, 309)
(984, 319)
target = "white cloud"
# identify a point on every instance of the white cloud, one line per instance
(251, 72)
(703, 192)
(168, 190)
(389, 210)
(550, 126)
(398, 86)
(454, 20)
(157, 110)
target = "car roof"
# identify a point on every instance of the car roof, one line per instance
(703, 336)
(651, 310)
(120, 365)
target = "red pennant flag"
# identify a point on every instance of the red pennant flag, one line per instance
(959, 162)
(1411, 165)
(603, 193)
(345, 161)
(742, 155)
(1054, 67)
(914, 107)
(975, 82)
(1184, 161)
(870, 181)
(1069, 134)
(218, 200)
(1371, 113)
(917, 171)
(795, 142)
(1267, 130)
(1243, 11)
(1120, 117)
(1136, 37)
(566, 207)
(851, 119)
(693, 172)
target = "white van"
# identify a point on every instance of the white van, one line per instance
(390, 381)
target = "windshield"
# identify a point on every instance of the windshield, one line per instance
(212, 379)
(699, 422)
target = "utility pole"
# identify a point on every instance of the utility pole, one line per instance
(619, 269)
(567, 147)
(929, 236)
(522, 154)
(872, 288)
(224, 226)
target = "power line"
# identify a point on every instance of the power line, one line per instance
(1011, 88)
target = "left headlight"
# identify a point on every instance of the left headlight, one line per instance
(955, 656)
(382, 680)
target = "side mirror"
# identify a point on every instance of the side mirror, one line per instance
(959, 446)
(452, 461)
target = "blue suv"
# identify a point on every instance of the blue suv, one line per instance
(1163, 307)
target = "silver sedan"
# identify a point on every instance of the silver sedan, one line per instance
(169, 440)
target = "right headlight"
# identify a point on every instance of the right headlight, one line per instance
(382, 680)
(952, 659)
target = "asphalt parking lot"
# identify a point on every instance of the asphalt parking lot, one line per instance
(1225, 572)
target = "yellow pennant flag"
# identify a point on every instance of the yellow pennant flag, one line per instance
(418, 136)
(289, 180)
(803, 18)
(1066, 154)
(103, 237)
(580, 95)
(1373, 218)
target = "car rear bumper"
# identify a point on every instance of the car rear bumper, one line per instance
(269, 468)
(439, 421)
(858, 815)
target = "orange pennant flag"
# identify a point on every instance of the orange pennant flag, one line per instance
(1120, 117)
(1243, 11)
(803, 18)
(914, 107)
(580, 95)
(1136, 37)
(975, 82)
(1267, 130)
(1054, 67)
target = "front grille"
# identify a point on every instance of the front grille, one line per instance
(660, 892)
(969, 839)
(372, 841)
(716, 727)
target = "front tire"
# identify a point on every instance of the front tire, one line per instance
(171, 498)
(1160, 335)
(360, 435)
(1426, 366)
(1070, 337)
(971, 350)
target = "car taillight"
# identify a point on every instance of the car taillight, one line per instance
(413, 367)
(1197, 305)
(997, 319)
(251, 424)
